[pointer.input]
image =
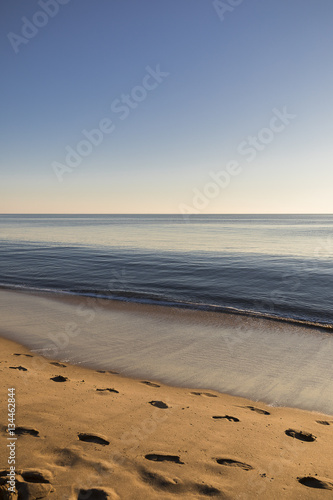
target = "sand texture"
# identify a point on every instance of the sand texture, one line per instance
(87, 434)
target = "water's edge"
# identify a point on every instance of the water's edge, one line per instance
(139, 299)
(271, 361)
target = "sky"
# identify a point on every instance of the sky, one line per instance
(174, 106)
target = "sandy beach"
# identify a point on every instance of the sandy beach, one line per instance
(166, 250)
(88, 434)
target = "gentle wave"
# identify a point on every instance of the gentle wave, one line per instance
(160, 301)
(271, 267)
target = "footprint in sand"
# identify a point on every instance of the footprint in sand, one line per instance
(26, 355)
(91, 438)
(59, 378)
(93, 494)
(74, 456)
(257, 410)
(30, 484)
(209, 491)
(233, 463)
(55, 363)
(108, 371)
(21, 368)
(108, 389)
(151, 384)
(36, 484)
(163, 458)
(315, 482)
(21, 431)
(207, 394)
(227, 417)
(323, 422)
(159, 404)
(176, 486)
(161, 482)
(35, 476)
(302, 436)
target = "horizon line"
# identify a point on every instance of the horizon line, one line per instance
(169, 213)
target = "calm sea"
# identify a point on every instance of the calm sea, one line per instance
(271, 265)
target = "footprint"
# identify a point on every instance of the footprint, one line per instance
(91, 438)
(233, 463)
(113, 372)
(59, 378)
(108, 389)
(19, 431)
(159, 404)
(151, 384)
(302, 436)
(19, 368)
(26, 355)
(93, 494)
(29, 484)
(100, 371)
(228, 417)
(314, 482)
(34, 484)
(207, 394)
(66, 457)
(34, 476)
(163, 458)
(172, 485)
(258, 410)
(74, 456)
(323, 422)
(55, 363)
(209, 491)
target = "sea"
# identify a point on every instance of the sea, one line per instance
(198, 279)
(276, 265)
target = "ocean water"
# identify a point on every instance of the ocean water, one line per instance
(267, 265)
(249, 299)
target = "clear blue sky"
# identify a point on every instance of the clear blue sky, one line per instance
(221, 81)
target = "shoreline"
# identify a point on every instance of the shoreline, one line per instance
(98, 432)
(280, 365)
(65, 295)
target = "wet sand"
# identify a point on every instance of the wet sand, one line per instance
(280, 364)
(88, 434)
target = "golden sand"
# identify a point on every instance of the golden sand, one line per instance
(87, 434)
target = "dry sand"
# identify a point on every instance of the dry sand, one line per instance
(83, 434)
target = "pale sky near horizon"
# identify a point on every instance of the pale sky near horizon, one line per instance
(202, 106)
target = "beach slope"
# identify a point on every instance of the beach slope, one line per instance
(87, 434)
